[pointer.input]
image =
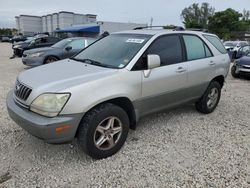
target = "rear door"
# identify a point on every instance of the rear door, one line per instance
(201, 65)
(166, 85)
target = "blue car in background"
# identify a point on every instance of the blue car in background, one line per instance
(241, 66)
(64, 49)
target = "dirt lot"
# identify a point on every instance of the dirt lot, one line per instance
(178, 148)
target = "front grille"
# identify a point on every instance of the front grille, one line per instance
(24, 55)
(21, 91)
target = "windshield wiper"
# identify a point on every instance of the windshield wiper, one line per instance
(93, 62)
(75, 59)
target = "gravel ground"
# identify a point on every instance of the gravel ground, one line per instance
(177, 148)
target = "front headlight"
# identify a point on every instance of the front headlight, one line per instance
(49, 104)
(38, 54)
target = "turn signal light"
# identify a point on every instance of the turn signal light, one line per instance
(63, 128)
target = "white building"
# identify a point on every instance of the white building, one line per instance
(29, 25)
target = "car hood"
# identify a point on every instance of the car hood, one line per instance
(245, 60)
(62, 75)
(35, 50)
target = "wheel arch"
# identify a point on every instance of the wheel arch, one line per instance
(47, 56)
(123, 102)
(220, 79)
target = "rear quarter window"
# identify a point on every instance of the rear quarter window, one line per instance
(215, 41)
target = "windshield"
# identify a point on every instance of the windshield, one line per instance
(29, 39)
(62, 43)
(115, 50)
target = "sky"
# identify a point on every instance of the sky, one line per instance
(163, 12)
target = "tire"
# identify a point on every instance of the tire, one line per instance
(233, 72)
(95, 135)
(208, 102)
(50, 59)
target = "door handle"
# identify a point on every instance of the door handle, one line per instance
(211, 63)
(181, 69)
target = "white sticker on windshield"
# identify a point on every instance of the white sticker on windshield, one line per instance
(139, 41)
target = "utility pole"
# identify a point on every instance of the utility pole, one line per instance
(151, 22)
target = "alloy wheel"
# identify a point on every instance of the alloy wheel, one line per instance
(212, 98)
(108, 133)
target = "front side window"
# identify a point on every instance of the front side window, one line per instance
(77, 44)
(168, 48)
(115, 50)
(195, 48)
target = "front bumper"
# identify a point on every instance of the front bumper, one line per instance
(242, 68)
(43, 127)
(32, 61)
(18, 52)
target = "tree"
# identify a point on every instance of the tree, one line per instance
(197, 17)
(7, 31)
(224, 22)
(169, 27)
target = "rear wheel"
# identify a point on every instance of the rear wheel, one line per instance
(233, 72)
(50, 59)
(103, 131)
(210, 99)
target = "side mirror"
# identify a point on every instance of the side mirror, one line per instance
(68, 48)
(153, 61)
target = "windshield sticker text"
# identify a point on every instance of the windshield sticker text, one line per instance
(139, 41)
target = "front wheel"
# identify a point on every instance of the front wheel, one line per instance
(103, 131)
(50, 59)
(210, 99)
(233, 72)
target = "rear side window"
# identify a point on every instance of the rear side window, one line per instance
(215, 41)
(168, 48)
(196, 48)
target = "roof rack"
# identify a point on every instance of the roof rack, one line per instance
(175, 28)
(197, 29)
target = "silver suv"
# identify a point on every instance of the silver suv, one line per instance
(104, 90)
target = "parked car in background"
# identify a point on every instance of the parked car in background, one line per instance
(233, 46)
(243, 51)
(35, 42)
(5, 39)
(18, 38)
(241, 66)
(104, 90)
(63, 49)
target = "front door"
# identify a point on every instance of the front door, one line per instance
(165, 86)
